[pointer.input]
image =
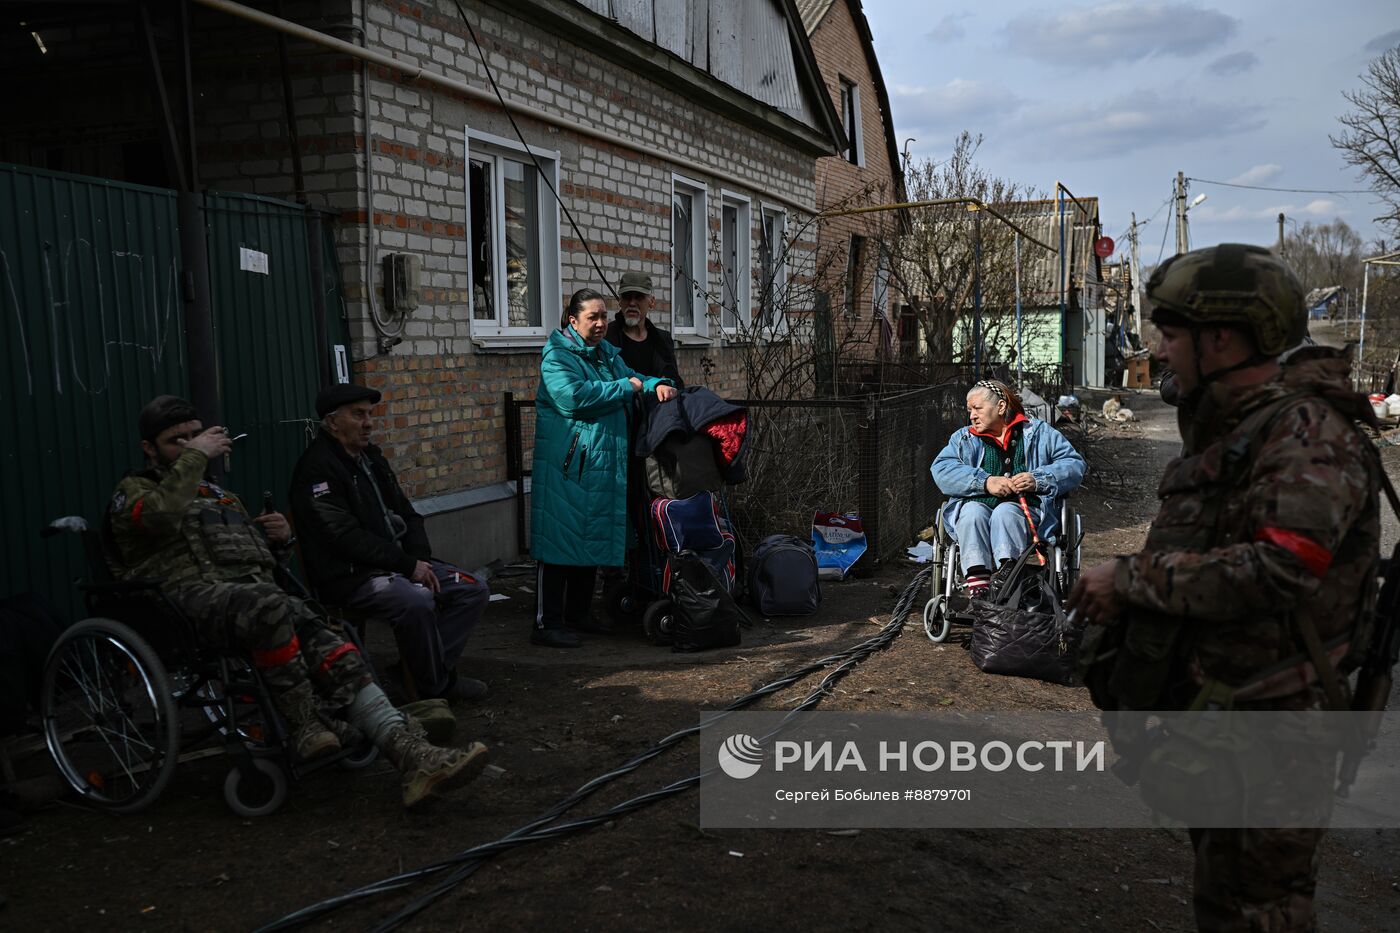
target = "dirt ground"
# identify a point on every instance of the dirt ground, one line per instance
(556, 719)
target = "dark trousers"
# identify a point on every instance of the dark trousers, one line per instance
(562, 594)
(431, 631)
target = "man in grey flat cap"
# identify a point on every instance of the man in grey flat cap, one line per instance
(364, 547)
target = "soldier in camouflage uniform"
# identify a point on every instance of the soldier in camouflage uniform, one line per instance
(170, 522)
(1264, 549)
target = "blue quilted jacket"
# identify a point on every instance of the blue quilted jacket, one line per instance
(1057, 467)
(578, 493)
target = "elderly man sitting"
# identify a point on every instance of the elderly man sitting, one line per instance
(365, 549)
(1000, 473)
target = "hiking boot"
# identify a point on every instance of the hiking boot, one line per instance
(346, 733)
(428, 769)
(308, 736)
(554, 638)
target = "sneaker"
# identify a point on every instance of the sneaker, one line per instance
(977, 585)
(429, 770)
(554, 638)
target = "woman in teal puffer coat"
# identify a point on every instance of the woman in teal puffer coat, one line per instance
(578, 509)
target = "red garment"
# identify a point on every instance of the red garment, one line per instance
(1005, 438)
(728, 432)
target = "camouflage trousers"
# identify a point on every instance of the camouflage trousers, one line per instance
(287, 640)
(1255, 880)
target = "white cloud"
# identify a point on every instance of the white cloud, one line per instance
(1212, 212)
(1233, 64)
(949, 28)
(1119, 31)
(1137, 120)
(959, 104)
(1385, 42)
(1257, 174)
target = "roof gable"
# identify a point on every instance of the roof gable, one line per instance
(756, 47)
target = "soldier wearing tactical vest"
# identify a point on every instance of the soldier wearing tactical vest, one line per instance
(171, 523)
(1264, 550)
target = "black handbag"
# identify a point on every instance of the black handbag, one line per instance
(1021, 629)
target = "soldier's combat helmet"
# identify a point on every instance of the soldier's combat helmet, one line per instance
(1232, 285)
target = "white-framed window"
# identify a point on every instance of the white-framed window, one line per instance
(855, 264)
(512, 241)
(772, 269)
(690, 278)
(850, 121)
(735, 226)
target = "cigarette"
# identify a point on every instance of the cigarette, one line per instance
(238, 438)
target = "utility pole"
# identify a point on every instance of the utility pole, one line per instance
(1280, 236)
(1183, 239)
(1135, 278)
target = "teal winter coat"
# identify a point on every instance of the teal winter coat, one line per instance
(578, 492)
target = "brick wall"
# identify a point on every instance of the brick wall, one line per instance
(442, 417)
(839, 54)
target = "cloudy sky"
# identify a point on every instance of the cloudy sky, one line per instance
(1113, 99)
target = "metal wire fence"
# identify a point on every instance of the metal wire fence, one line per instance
(869, 455)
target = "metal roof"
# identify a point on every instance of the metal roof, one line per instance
(812, 12)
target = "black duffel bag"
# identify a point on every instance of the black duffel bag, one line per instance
(1021, 629)
(706, 615)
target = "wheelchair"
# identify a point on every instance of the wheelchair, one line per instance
(947, 605)
(128, 694)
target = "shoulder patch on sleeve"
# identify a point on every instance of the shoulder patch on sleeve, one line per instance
(320, 489)
(118, 501)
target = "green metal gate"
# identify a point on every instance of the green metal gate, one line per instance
(265, 335)
(91, 319)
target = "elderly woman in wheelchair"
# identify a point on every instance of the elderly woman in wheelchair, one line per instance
(1005, 476)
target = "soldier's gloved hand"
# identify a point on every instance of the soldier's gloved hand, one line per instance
(1094, 598)
(212, 442)
(276, 526)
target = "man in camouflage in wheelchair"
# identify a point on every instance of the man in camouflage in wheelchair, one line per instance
(216, 565)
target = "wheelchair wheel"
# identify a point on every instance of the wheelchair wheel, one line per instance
(360, 758)
(937, 622)
(109, 718)
(621, 604)
(259, 793)
(1072, 534)
(658, 621)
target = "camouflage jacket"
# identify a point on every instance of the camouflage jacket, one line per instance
(169, 522)
(1270, 517)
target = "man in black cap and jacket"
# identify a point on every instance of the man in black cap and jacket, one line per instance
(364, 547)
(646, 348)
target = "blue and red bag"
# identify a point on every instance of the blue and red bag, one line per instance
(695, 524)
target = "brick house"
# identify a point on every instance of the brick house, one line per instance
(852, 251)
(682, 139)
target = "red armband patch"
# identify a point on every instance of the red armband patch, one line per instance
(276, 657)
(334, 655)
(1313, 555)
(136, 514)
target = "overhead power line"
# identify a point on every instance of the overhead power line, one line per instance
(1231, 184)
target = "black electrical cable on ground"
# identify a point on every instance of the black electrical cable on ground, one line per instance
(544, 828)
